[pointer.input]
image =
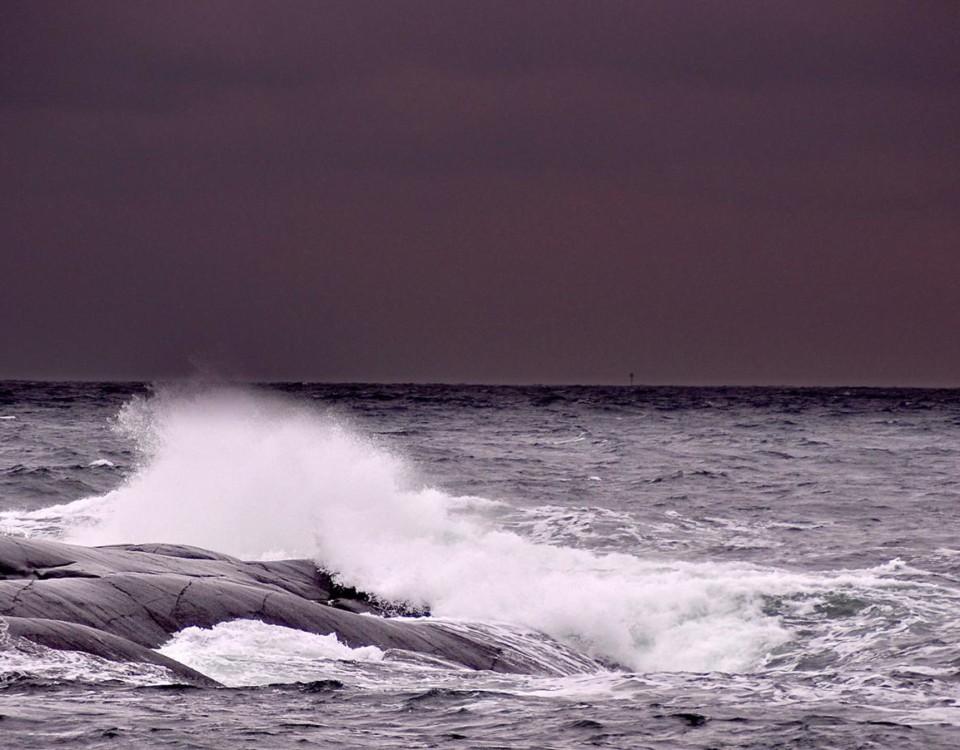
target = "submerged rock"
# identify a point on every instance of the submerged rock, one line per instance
(72, 637)
(119, 602)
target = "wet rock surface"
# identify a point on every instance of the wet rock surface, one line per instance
(120, 602)
(73, 637)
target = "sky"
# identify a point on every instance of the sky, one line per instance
(698, 192)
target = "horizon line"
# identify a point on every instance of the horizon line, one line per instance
(476, 384)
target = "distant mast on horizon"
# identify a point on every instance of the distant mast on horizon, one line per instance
(631, 379)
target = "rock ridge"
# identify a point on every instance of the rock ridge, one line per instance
(121, 601)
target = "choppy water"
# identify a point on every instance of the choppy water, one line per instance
(713, 567)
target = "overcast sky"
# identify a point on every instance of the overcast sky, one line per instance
(698, 192)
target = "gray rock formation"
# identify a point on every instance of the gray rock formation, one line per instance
(120, 602)
(72, 637)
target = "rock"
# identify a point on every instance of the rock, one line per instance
(70, 636)
(353, 605)
(121, 601)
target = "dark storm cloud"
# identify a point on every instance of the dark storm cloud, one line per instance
(698, 192)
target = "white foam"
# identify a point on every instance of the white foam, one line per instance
(248, 652)
(53, 520)
(101, 462)
(253, 475)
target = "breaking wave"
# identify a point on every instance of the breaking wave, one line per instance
(260, 477)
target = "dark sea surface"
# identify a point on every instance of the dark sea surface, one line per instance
(734, 567)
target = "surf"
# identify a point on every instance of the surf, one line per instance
(261, 477)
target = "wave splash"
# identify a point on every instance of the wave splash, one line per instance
(259, 477)
(245, 652)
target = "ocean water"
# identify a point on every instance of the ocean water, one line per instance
(692, 567)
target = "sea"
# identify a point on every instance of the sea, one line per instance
(694, 567)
